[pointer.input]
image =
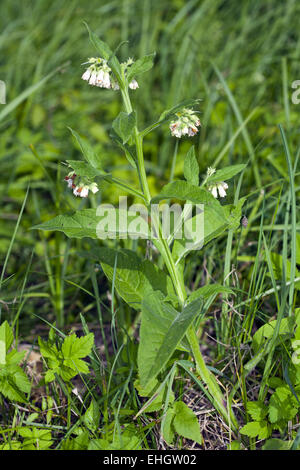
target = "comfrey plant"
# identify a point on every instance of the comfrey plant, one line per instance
(170, 314)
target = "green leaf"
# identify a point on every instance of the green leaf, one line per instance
(127, 440)
(87, 150)
(91, 417)
(66, 361)
(283, 405)
(85, 170)
(140, 66)
(209, 290)
(35, 438)
(81, 442)
(212, 224)
(14, 383)
(191, 167)
(234, 213)
(133, 278)
(267, 330)
(124, 124)
(74, 347)
(129, 151)
(106, 53)
(259, 429)
(277, 444)
(186, 423)
(225, 174)
(185, 191)
(158, 399)
(168, 431)
(11, 445)
(109, 224)
(6, 339)
(162, 329)
(257, 410)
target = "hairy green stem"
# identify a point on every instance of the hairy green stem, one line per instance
(163, 246)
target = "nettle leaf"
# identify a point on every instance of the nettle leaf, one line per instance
(162, 329)
(77, 347)
(124, 124)
(257, 410)
(225, 173)
(14, 383)
(87, 150)
(259, 429)
(191, 167)
(85, 170)
(185, 422)
(283, 405)
(86, 223)
(67, 361)
(133, 278)
(140, 66)
(35, 438)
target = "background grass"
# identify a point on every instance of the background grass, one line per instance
(240, 58)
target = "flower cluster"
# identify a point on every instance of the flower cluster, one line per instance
(99, 74)
(187, 123)
(80, 188)
(220, 188)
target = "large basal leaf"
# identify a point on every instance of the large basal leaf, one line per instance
(87, 150)
(140, 66)
(133, 278)
(89, 223)
(162, 329)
